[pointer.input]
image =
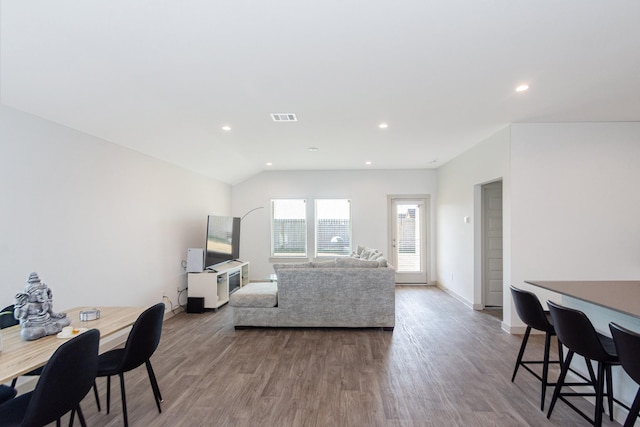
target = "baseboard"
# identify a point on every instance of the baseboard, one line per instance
(456, 296)
(416, 284)
(513, 330)
(518, 330)
(170, 310)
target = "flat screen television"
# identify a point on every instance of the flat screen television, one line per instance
(223, 240)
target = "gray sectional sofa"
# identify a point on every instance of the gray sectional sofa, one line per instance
(345, 292)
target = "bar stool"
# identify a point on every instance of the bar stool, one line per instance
(533, 315)
(577, 333)
(628, 346)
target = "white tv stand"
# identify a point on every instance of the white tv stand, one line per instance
(213, 286)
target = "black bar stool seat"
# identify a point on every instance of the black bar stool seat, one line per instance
(627, 344)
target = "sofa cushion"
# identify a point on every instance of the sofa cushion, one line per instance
(257, 294)
(277, 267)
(324, 264)
(355, 263)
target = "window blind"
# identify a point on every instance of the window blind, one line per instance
(288, 228)
(333, 227)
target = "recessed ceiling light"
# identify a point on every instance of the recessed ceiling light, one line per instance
(269, 164)
(383, 125)
(312, 148)
(522, 88)
(226, 128)
(367, 163)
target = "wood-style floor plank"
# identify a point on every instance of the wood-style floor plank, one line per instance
(443, 365)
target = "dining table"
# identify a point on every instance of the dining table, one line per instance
(19, 356)
(622, 296)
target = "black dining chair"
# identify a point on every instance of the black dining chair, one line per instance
(628, 347)
(141, 343)
(64, 382)
(533, 315)
(576, 332)
(7, 393)
(6, 321)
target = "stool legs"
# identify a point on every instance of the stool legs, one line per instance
(563, 374)
(545, 362)
(521, 353)
(600, 395)
(598, 381)
(633, 412)
(545, 369)
(609, 390)
(560, 353)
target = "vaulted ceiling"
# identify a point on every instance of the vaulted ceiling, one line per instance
(164, 76)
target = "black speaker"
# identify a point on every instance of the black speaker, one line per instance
(195, 305)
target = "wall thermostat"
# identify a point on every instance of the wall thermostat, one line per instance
(86, 315)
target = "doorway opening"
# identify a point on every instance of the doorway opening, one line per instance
(491, 245)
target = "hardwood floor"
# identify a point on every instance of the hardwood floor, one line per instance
(444, 365)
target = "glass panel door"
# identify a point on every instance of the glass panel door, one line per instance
(408, 239)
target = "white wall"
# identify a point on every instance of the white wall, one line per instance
(367, 190)
(458, 183)
(575, 201)
(101, 224)
(576, 217)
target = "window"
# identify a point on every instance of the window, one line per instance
(289, 228)
(333, 227)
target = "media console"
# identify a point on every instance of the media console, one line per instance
(215, 286)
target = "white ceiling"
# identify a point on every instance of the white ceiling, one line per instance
(163, 76)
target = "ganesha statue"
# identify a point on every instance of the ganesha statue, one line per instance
(34, 310)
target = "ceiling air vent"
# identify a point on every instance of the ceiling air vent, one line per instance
(284, 117)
